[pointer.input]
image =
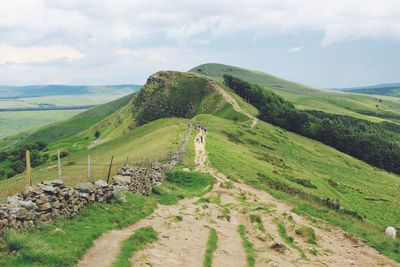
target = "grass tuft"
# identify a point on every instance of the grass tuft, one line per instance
(248, 246)
(211, 247)
(308, 234)
(135, 242)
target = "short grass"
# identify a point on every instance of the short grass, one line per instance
(211, 247)
(66, 131)
(151, 142)
(248, 246)
(181, 184)
(134, 243)
(13, 122)
(308, 234)
(377, 107)
(267, 155)
(63, 242)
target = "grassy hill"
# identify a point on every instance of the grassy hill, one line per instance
(166, 94)
(306, 173)
(362, 106)
(392, 89)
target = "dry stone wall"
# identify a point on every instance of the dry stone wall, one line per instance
(52, 199)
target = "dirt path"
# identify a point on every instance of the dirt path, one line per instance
(183, 232)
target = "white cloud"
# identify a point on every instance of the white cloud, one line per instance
(295, 49)
(19, 55)
(32, 30)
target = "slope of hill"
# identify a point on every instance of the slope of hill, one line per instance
(390, 89)
(249, 160)
(361, 106)
(167, 94)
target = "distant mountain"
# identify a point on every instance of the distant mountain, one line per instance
(390, 89)
(51, 90)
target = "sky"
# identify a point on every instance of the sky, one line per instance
(322, 43)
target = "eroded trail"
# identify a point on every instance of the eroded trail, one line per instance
(183, 242)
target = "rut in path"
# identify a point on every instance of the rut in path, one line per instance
(183, 243)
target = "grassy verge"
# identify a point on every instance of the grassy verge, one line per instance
(66, 240)
(137, 241)
(211, 247)
(180, 184)
(248, 247)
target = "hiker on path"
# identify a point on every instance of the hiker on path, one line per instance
(201, 138)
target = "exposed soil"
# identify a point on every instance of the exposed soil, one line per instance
(183, 239)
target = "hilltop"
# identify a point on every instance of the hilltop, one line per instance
(260, 194)
(389, 89)
(305, 97)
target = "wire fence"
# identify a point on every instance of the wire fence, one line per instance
(72, 173)
(75, 172)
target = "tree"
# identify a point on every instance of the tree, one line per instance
(97, 134)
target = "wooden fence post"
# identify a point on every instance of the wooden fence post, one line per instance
(109, 170)
(28, 167)
(126, 162)
(88, 170)
(59, 164)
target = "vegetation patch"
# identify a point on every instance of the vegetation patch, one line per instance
(289, 239)
(181, 184)
(211, 247)
(345, 133)
(248, 246)
(65, 241)
(134, 243)
(308, 234)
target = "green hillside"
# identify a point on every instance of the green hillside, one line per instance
(373, 108)
(166, 94)
(317, 180)
(305, 172)
(392, 89)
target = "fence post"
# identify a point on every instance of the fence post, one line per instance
(126, 162)
(28, 167)
(109, 170)
(88, 170)
(59, 164)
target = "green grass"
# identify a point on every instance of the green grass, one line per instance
(211, 247)
(66, 132)
(65, 241)
(306, 97)
(308, 234)
(134, 243)
(180, 184)
(267, 156)
(248, 246)
(13, 122)
(289, 240)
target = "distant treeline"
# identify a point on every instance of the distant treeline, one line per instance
(47, 108)
(375, 143)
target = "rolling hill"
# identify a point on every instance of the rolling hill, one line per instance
(362, 106)
(310, 182)
(390, 89)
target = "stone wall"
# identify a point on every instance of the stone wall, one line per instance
(48, 200)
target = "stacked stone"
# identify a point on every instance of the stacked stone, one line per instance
(133, 179)
(51, 199)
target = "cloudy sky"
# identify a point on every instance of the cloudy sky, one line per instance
(324, 43)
